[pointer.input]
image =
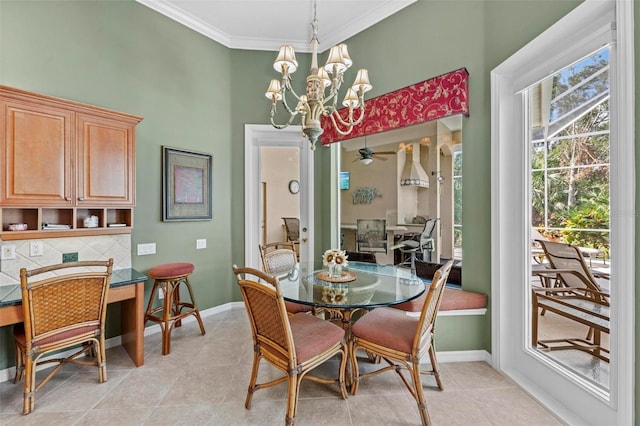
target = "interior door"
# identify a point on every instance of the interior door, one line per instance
(278, 183)
(581, 33)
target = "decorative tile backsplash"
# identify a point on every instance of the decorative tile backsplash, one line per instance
(88, 248)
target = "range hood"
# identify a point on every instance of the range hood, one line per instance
(413, 174)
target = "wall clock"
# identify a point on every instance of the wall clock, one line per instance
(294, 186)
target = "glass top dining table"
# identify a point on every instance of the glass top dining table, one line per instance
(361, 286)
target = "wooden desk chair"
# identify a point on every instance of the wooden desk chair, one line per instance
(280, 259)
(401, 340)
(292, 232)
(60, 312)
(293, 344)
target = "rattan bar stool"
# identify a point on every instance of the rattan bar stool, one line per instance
(168, 278)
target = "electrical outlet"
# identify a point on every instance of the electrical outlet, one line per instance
(160, 294)
(8, 252)
(36, 248)
(201, 244)
(69, 257)
(144, 249)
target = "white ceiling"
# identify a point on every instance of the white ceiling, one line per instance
(268, 24)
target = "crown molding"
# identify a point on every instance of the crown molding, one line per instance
(336, 36)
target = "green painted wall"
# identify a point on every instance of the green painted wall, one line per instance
(196, 94)
(124, 56)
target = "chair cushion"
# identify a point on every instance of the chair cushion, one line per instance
(170, 270)
(18, 334)
(313, 336)
(410, 245)
(391, 328)
(294, 308)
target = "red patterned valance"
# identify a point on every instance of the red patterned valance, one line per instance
(438, 97)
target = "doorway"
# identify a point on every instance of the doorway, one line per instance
(278, 185)
(581, 33)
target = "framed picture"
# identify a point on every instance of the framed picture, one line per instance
(186, 185)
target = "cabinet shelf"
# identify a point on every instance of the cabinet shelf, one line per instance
(34, 217)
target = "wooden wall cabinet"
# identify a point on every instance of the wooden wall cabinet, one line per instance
(61, 161)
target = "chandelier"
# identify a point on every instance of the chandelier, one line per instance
(316, 103)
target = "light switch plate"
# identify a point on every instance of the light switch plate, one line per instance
(201, 244)
(36, 248)
(145, 249)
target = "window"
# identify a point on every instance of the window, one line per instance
(457, 201)
(570, 154)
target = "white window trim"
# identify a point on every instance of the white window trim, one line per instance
(508, 206)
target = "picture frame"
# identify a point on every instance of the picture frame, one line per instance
(186, 185)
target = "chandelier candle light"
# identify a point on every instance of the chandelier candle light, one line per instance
(313, 105)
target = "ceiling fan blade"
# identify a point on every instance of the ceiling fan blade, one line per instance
(386, 153)
(378, 157)
(356, 159)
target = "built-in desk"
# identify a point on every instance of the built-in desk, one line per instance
(127, 286)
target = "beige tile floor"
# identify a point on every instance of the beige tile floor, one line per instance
(204, 379)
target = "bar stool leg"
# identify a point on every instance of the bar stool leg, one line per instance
(196, 312)
(166, 318)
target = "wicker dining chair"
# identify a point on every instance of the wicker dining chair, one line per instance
(62, 310)
(293, 344)
(416, 305)
(280, 259)
(401, 340)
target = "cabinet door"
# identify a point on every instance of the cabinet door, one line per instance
(37, 154)
(106, 158)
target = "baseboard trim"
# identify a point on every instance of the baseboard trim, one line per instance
(447, 356)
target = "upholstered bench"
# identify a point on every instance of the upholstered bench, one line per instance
(457, 299)
(453, 299)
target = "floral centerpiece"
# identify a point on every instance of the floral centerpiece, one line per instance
(335, 260)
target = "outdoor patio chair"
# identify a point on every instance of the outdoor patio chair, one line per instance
(401, 340)
(569, 267)
(569, 270)
(294, 344)
(424, 245)
(371, 235)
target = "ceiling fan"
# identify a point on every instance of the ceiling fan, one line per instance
(367, 155)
